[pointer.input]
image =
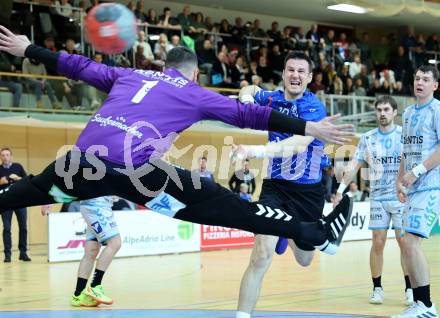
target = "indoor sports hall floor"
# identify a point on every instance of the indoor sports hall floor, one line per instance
(206, 285)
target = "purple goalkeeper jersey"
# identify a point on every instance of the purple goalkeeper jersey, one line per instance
(145, 110)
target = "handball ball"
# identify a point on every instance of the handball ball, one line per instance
(111, 28)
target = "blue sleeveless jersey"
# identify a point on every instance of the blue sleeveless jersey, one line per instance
(305, 167)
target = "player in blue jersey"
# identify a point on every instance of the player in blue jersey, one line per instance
(102, 230)
(418, 184)
(381, 149)
(293, 181)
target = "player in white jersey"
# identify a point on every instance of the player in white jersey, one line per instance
(381, 149)
(101, 230)
(418, 184)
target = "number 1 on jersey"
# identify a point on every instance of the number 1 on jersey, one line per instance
(143, 91)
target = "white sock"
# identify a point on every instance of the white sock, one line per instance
(241, 314)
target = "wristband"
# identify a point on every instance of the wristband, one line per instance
(342, 187)
(247, 99)
(419, 170)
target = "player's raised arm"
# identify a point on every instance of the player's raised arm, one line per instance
(73, 66)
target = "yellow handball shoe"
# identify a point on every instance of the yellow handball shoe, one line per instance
(97, 293)
(83, 300)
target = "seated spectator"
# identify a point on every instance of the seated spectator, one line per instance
(348, 87)
(355, 66)
(288, 41)
(276, 59)
(268, 77)
(63, 8)
(199, 25)
(168, 21)
(162, 46)
(175, 41)
(252, 71)
(274, 34)
(31, 66)
(152, 17)
(139, 11)
(354, 190)
(256, 80)
(375, 89)
(9, 82)
(221, 71)
(207, 57)
(142, 41)
(398, 89)
(363, 75)
(141, 62)
(316, 85)
(49, 43)
(302, 43)
(244, 192)
(337, 86)
(239, 71)
(344, 73)
(401, 65)
(380, 54)
(185, 20)
(359, 89)
(258, 32)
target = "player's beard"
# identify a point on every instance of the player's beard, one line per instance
(384, 122)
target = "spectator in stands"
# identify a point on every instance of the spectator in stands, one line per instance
(203, 171)
(140, 60)
(375, 89)
(313, 34)
(355, 66)
(409, 42)
(276, 59)
(327, 181)
(207, 57)
(348, 86)
(199, 25)
(363, 75)
(387, 75)
(419, 51)
(316, 85)
(329, 75)
(221, 71)
(80, 15)
(94, 96)
(139, 11)
(152, 17)
(302, 43)
(209, 24)
(131, 6)
(9, 82)
(380, 54)
(402, 65)
(288, 41)
(432, 43)
(275, 34)
(31, 66)
(354, 190)
(344, 73)
(142, 41)
(225, 28)
(244, 192)
(365, 50)
(267, 75)
(185, 20)
(243, 176)
(64, 8)
(11, 172)
(252, 71)
(168, 21)
(49, 43)
(162, 46)
(329, 39)
(359, 89)
(337, 86)
(239, 71)
(398, 89)
(238, 32)
(175, 41)
(258, 32)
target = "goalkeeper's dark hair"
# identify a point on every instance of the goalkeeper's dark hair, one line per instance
(182, 59)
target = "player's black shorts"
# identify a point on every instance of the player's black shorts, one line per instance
(307, 199)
